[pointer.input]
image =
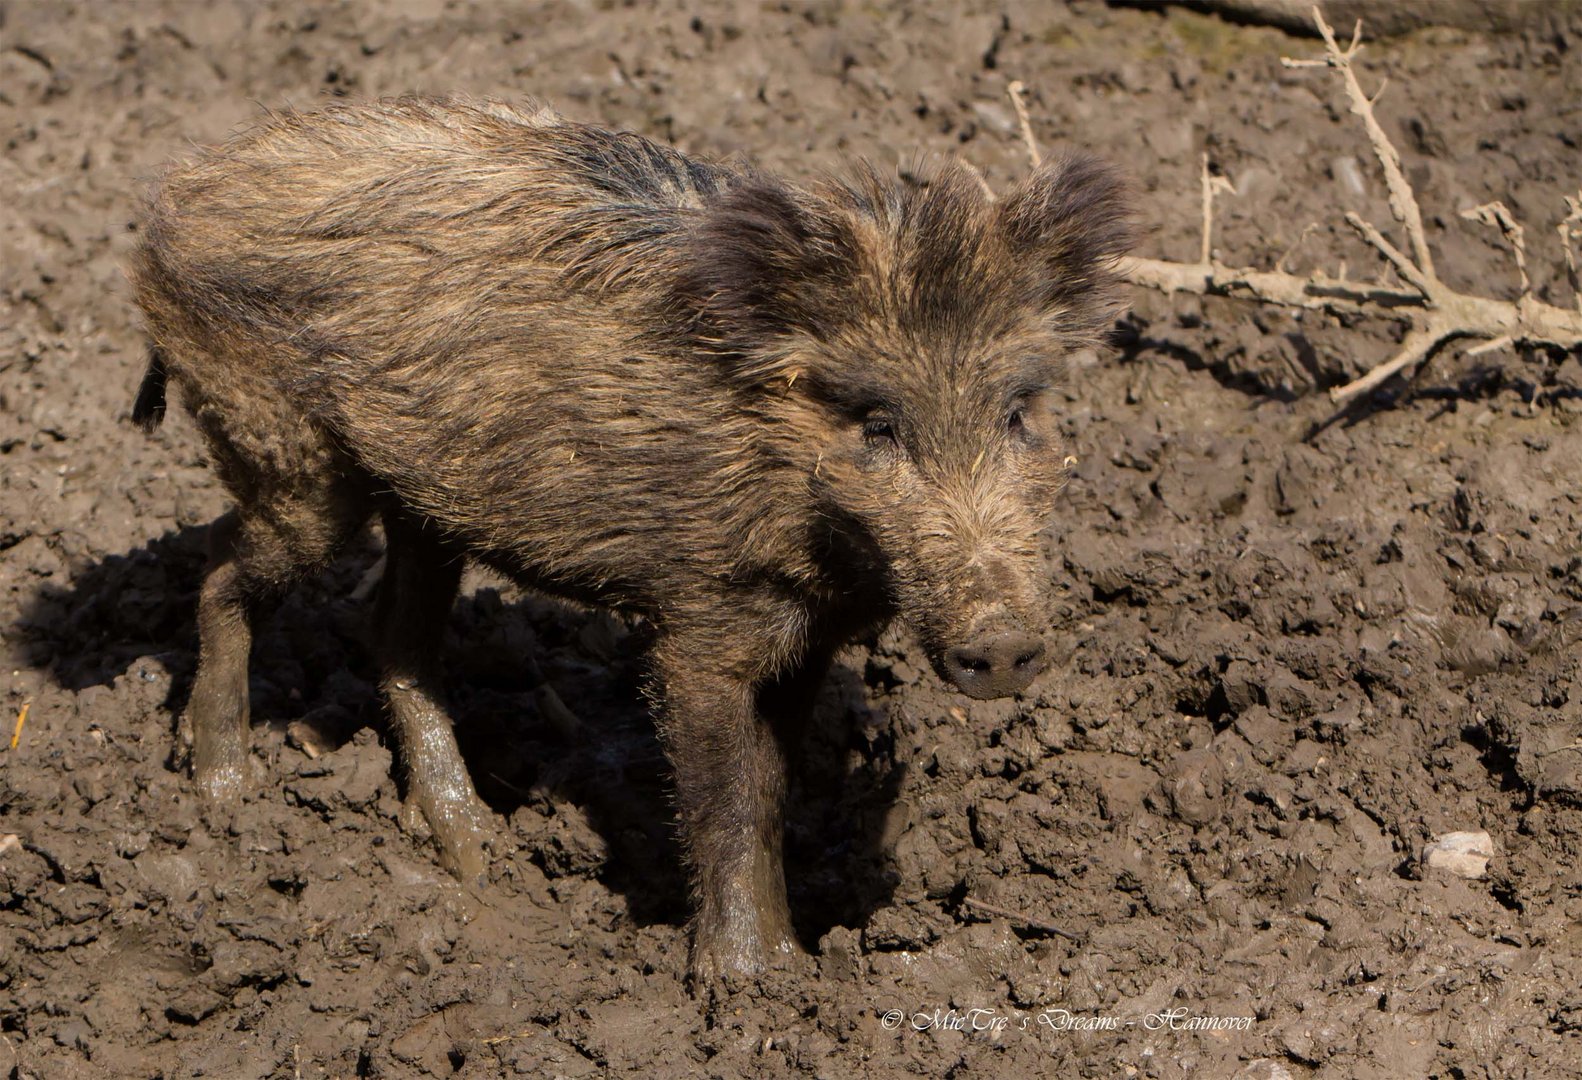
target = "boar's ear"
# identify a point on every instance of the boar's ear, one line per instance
(1071, 221)
(763, 261)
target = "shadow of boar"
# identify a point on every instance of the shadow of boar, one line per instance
(764, 417)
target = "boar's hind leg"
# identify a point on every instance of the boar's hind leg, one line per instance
(217, 710)
(419, 586)
(730, 770)
(255, 551)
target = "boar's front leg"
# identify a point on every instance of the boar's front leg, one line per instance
(730, 773)
(415, 596)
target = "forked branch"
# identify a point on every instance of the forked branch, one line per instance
(1433, 312)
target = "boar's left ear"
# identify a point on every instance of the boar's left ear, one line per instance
(763, 261)
(1072, 220)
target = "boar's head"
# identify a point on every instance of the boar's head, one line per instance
(901, 340)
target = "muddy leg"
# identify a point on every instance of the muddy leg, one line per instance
(217, 712)
(730, 768)
(415, 596)
(253, 556)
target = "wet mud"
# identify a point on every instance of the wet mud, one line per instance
(1293, 648)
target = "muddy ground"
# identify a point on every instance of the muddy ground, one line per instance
(1292, 651)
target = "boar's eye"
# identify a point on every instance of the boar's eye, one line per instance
(1018, 425)
(878, 429)
(881, 446)
(1024, 415)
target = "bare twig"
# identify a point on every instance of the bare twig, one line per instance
(1307, 230)
(1496, 216)
(1211, 185)
(1570, 231)
(21, 719)
(1405, 266)
(977, 174)
(1018, 92)
(496, 1040)
(1019, 917)
(515, 789)
(1414, 350)
(1455, 315)
(1315, 291)
(1491, 346)
(1403, 204)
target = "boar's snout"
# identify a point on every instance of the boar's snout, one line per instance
(997, 662)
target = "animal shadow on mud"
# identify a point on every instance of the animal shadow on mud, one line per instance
(549, 709)
(1300, 370)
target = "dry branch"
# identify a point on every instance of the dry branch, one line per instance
(1018, 94)
(1212, 185)
(1496, 215)
(1570, 231)
(1433, 312)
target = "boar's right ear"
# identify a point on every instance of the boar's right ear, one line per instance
(1071, 220)
(763, 261)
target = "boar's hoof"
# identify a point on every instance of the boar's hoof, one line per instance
(996, 665)
(723, 963)
(463, 830)
(222, 784)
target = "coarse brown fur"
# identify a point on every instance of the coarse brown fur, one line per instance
(762, 416)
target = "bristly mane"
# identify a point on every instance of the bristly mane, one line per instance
(934, 257)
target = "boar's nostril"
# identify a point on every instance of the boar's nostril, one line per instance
(995, 666)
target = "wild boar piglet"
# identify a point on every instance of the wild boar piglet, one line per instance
(763, 416)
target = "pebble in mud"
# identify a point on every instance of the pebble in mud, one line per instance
(1264, 1069)
(1465, 854)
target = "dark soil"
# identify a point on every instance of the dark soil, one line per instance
(1295, 647)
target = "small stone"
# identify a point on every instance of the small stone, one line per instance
(1465, 854)
(1348, 173)
(1297, 1041)
(1263, 1069)
(992, 116)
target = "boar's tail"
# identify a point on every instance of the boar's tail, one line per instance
(149, 408)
